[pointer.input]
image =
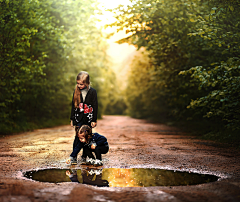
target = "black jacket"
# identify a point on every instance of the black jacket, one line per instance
(88, 109)
(98, 140)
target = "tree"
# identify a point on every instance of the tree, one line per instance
(43, 46)
(193, 51)
(220, 80)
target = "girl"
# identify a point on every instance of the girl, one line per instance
(84, 108)
(91, 142)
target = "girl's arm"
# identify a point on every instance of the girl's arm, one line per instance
(72, 111)
(76, 149)
(95, 106)
(99, 139)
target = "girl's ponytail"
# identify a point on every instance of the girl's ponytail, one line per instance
(77, 97)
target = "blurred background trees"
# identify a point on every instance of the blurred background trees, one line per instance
(189, 69)
(186, 70)
(43, 46)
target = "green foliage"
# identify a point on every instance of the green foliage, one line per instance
(193, 68)
(223, 87)
(141, 91)
(162, 28)
(43, 46)
(220, 79)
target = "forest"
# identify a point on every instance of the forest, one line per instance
(43, 46)
(186, 72)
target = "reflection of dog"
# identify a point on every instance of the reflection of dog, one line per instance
(91, 177)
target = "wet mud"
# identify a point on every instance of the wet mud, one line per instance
(133, 144)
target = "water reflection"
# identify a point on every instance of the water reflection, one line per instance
(91, 177)
(120, 177)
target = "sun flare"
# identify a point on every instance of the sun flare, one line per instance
(120, 55)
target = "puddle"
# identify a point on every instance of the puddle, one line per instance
(121, 177)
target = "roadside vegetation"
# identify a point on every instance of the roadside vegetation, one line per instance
(189, 72)
(43, 46)
(186, 72)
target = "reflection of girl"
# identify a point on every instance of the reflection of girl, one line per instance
(93, 142)
(73, 176)
(92, 177)
(84, 108)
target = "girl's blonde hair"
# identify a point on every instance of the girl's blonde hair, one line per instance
(84, 77)
(85, 131)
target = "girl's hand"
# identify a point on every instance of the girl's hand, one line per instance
(71, 123)
(93, 124)
(93, 146)
(68, 172)
(68, 161)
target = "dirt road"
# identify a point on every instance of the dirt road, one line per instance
(133, 143)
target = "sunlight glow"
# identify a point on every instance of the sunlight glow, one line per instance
(120, 55)
(120, 177)
(107, 16)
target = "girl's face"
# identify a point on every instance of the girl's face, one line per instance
(80, 84)
(81, 137)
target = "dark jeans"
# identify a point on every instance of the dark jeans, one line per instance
(99, 150)
(77, 149)
(77, 145)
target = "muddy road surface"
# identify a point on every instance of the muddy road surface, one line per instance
(133, 144)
